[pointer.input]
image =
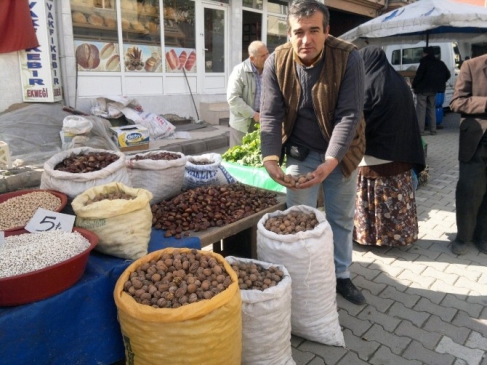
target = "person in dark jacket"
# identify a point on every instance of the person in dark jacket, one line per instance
(385, 203)
(470, 99)
(430, 79)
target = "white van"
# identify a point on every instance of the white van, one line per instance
(406, 57)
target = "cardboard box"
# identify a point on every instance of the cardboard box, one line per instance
(132, 137)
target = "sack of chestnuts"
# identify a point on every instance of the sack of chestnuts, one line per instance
(147, 322)
(83, 168)
(266, 311)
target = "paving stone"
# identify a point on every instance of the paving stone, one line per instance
(422, 251)
(462, 319)
(448, 346)
(408, 300)
(477, 298)
(416, 351)
(378, 302)
(392, 269)
(423, 245)
(386, 280)
(472, 285)
(331, 354)
(302, 357)
(352, 309)
(371, 286)
(440, 275)
(351, 358)
(479, 268)
(483, 279)
(459, 334)
(425, 305)
(427, 338)
(400, 311)
(384, 356)
(441, 286)
(417, 279)
(444, 249)
(389, 323)
(317, 361)
(367, 273)
(357, 326)
(397, 344)
(408, 265)
(296, 341)
(380, 257)
(461, 270)
(460, 302)
(477, 341)
(405, 255)
(363, 348)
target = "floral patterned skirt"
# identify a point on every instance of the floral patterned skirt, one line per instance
(385, 211)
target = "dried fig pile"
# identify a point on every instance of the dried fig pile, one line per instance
(253, 276)
(292, 223)
(209, 206)
(177, 279)
(167, 156)
(110, 196)
(298, 180)
(86, 162)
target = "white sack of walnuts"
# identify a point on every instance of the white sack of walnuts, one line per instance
(266, 320)
(74, 184)
(163, 178)
(308, 257)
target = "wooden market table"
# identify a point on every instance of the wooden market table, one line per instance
(79, 325)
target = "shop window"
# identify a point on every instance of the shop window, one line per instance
(95, 35)
(276, 31)
(254, 4)
(277, 7)
(96, 38)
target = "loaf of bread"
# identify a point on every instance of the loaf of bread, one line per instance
(107, 50)
(139, 27)
(113, 63)
(125, 24)
(95, 20)
(79, 17)
(87, 56)
(110, 23)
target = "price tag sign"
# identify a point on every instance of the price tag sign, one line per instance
(45, 220)
(2, 239)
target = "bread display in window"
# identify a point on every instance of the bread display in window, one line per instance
(79, 17)
(96, 20)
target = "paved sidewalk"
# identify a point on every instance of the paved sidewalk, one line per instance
(425, 304)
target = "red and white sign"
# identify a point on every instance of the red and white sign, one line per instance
(40, 69)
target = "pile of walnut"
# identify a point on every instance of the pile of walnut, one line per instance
(253, 276)
(298, 180)
(177, 279)
(109, 196)
(209, 206)
(158, 156)
(89, 162)
(291, 223)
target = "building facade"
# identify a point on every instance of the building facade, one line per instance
(172, 56)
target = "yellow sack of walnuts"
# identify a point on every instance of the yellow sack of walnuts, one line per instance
(122, 225)
(207, 332)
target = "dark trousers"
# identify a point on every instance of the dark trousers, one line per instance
(471, 198)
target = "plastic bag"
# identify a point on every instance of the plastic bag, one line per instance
(122, 225)
(308, 256)
(208, 332)
(158, 126)
(266, 320)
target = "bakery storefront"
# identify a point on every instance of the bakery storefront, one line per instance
(155, 50)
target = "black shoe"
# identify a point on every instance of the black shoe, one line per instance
(439, 126)
(482, 246)
(346, 288)
(459, 248)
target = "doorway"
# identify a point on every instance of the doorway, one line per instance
(251, 30)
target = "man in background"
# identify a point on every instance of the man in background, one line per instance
(430, 79)
(470, 99)
(243, 92)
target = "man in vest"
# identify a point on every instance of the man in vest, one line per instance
(311, 108)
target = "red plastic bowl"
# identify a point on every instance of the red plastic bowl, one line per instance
(44, 283)
(7, 196)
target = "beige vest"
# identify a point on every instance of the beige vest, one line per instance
(324, 94)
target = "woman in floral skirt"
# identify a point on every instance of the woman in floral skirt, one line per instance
(385, 213)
